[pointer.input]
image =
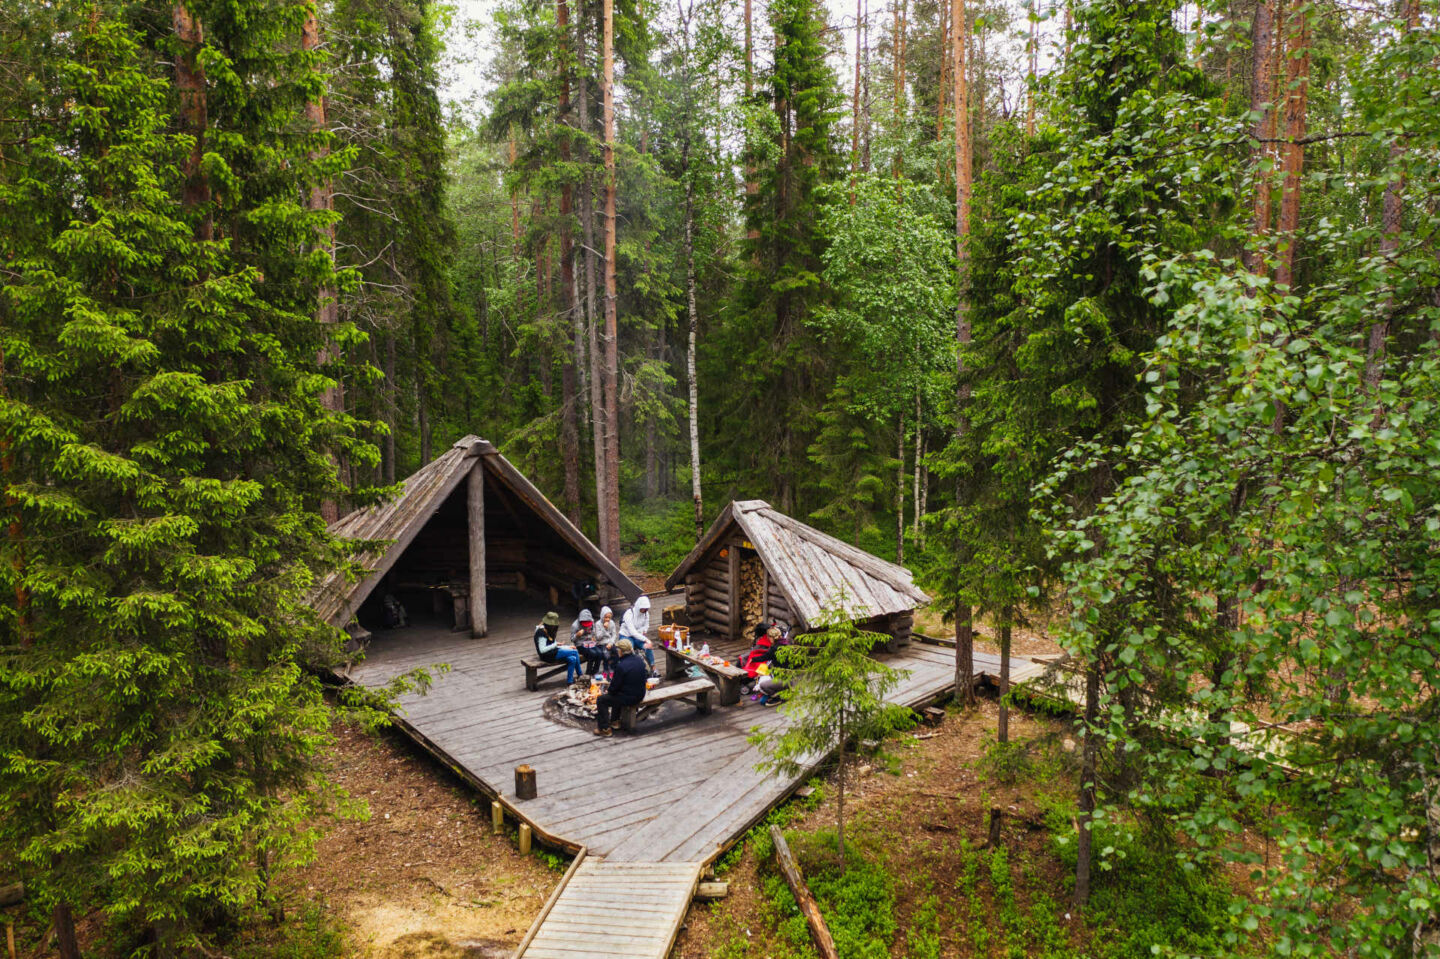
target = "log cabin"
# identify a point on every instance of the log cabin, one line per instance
(755, 563)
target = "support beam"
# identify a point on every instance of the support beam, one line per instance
(735, 625)
(479, 614)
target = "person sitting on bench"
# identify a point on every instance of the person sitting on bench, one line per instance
(607, 631)
(626, 689)
(549, 649)
(634, 625)
(585, 639)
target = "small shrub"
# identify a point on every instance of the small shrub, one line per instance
(1006, 763)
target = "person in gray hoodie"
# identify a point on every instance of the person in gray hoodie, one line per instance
(634, 626)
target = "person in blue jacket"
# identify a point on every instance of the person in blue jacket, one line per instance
(626, 689)
(548, 648)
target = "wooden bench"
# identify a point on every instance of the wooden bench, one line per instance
(728, 679)
(696, 692)
(538, 669)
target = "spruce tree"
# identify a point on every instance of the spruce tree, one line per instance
(162, 423)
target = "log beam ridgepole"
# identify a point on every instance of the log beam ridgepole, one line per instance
(479, 614)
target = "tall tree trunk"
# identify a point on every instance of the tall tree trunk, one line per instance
(595, 379)
(611, 518)
(1391, 221)
(694, 330)
(514, 201)
(194, 115)
(322, 198)
(1262, 106)
(900, 494)
(392, 408)
(1007, 615)
(1292, 158)
(1069, 27)
(865, 96)
(752, 187)
(66, 945)
(855, 104)
(964, 633)
(919, 458)
(1031, 54)
(422, 417)
(941, 97)
(1088, 763)
(897, 169)
(572, 327)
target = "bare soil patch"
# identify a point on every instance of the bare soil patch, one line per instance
(424, 877)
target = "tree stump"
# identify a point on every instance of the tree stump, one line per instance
(525, 782)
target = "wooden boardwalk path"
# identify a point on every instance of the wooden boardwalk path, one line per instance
(647, 812)
(682, 789)
(580, 920)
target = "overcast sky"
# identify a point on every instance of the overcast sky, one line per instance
(469, 48)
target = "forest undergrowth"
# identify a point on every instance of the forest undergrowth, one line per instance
(923, 883)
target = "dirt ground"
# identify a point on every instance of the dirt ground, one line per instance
(424, 877)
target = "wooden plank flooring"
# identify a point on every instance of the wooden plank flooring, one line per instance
(680, 790)
(650, 897)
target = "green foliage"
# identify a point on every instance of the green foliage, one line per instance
(922, 931)
(858, 901)
(659, 533)
(164, 454)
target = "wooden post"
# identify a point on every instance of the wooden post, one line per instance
(10, 938)
(996, 819)
(735, 614)
(524, 839)
(808, 906)
(525, 782)
(479, 615)
(497, 816)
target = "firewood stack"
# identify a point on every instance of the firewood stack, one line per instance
(752, 592)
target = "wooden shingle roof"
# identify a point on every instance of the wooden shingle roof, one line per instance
(811, 568)
(398, 521)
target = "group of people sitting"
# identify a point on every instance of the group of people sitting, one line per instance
(595, 644)
(625, 657)
(766, 642)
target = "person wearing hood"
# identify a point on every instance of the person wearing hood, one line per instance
(634, 626)
(607, 632)
(583, 636)
(548, 647)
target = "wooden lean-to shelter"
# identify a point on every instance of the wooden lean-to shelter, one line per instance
(467, 531)
(755, 563)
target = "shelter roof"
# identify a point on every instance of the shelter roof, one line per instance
(810, 568)
(396, 522)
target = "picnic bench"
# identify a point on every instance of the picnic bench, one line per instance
(696, 692)
(538, 669)
(727, 678)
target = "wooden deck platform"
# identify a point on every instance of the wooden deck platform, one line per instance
(579, 922)
(681, 790)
